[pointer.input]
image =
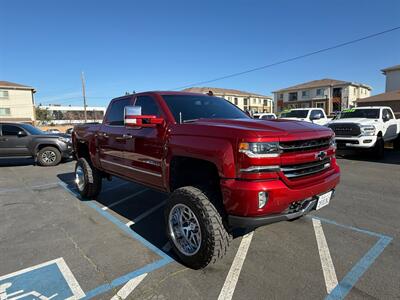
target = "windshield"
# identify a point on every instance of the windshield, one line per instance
(359, 113)
(297, 114)
(188, 108)
(31, 129)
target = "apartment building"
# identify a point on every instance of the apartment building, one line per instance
(59, 114)
(17, 103)
(329, 94)
(246, 101)
(391, 96)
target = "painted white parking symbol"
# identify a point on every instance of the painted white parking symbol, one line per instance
(50, 280)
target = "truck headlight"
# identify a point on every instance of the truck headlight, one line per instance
(332, 142)
(66, 140)
(367, 130)
(262, 149)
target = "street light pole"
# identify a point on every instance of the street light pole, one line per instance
(84, 95)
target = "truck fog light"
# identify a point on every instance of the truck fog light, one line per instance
(367, 141)
(262, 199)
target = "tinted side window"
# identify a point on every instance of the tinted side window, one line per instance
(316, 112)
(388, 112)
(116, 114)
(10, 130)
(149, 105)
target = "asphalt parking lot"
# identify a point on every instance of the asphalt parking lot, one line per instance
(56, 245)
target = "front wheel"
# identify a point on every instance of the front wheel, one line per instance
(48, 156)
(88, 179)
(195, 228)
(379, 148)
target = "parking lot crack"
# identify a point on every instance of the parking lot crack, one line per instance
(86, 257)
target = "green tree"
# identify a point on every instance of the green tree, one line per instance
(42, 114)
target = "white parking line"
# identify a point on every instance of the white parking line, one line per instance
(114, 186)
(231, 280)
(166, 247)
(149, 212)
(326, 261)
(128, 288)
(124, 199)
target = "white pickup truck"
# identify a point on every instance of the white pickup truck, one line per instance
(366, 128)
(312, 115)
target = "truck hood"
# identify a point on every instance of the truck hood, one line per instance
(250, 127)
(362, 121)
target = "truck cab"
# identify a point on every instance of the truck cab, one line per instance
(312, 115)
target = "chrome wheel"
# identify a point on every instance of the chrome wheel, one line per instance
(49, 157)
(184, 229)
(80, 178)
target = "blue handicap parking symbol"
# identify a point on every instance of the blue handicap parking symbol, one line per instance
(50, 280)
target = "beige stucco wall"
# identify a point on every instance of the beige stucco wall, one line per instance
(20, 104)
(392, 80)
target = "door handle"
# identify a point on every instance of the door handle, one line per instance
(124, 137)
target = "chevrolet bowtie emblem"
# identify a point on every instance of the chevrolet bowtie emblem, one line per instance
(320, 155)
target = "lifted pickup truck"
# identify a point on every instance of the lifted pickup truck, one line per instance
(366, 128)
(223, 169)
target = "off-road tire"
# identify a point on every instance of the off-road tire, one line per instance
(55, 154)
(215, 238)
(378, 151)
(93, 179)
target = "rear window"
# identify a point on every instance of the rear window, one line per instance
(296, 114)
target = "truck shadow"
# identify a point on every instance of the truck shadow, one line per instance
(16, 162)
(391, 156)
(135, 203)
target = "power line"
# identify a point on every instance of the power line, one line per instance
(291, 59)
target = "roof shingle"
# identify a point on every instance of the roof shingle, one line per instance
(8, 84)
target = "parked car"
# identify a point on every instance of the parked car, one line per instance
(23, 140)
(53, 130)
(265, 116)
(222, 168)
(312, 115)
(366, 128)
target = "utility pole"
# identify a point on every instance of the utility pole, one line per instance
(84, 95)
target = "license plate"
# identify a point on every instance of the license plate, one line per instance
(323, 200)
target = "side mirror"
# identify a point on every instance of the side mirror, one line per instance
(21, 133)
(133, 118)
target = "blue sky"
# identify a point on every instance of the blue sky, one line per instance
(152, 45)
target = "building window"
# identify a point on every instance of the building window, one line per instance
(319, 92)
(293, 96)
(3, 94)
(280, 97)
(245, 101)
(5, 112)
(304, 94)
(235, 101)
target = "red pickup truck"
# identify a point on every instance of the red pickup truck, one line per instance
(223, 169)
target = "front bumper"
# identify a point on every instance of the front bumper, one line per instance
(253, 222)
(359, 142)
(66, 150)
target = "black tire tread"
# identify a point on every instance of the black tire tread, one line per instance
(94, 179)
(56, 151)
(218, 238)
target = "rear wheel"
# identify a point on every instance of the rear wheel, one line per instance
(195, 227)
(379, 148)
(87, 178)
(48, 156)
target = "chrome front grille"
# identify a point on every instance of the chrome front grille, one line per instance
(300, 170)
(304, 145)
